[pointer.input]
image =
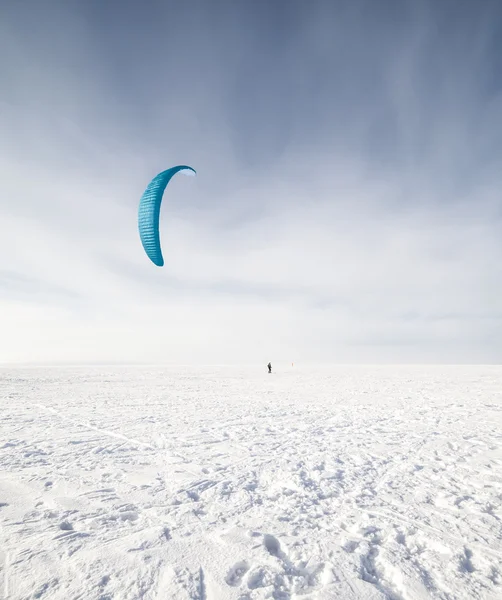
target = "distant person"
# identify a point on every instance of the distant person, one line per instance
(269, 367)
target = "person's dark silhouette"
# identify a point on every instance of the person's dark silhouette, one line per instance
(269, 367)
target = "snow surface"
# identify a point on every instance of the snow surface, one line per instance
(230, 483)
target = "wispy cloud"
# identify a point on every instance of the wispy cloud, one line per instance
(347, 204)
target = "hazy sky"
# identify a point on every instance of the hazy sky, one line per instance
(347, 205)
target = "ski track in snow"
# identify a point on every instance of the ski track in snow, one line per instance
(222, 484)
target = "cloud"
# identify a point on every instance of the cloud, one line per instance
(346, 206)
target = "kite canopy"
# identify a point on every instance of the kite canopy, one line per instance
(149, 213)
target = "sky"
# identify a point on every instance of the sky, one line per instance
(347, 206)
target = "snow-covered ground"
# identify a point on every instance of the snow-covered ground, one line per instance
(229, 483)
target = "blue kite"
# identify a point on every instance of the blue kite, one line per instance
(149, 213)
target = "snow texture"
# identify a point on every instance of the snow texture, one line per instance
(221, 484)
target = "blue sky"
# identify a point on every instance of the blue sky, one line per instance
(347, 206)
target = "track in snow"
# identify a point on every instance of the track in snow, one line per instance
(228, 484)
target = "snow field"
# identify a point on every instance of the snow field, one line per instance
(229, 483)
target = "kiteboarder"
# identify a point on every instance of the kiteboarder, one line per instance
(269, 367)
